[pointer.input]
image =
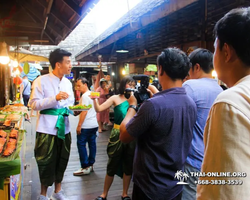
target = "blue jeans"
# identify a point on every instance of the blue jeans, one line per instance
(189, 191)
(87, 135)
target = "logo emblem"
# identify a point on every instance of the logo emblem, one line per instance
(181, 177)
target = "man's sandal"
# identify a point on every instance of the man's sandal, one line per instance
(126, 198)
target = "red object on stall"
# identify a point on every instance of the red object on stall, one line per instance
(17, 80)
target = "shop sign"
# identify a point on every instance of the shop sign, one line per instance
(70, 76)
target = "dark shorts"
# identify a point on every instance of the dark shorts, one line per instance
(26, 99)
(121, 155)
(52, 155)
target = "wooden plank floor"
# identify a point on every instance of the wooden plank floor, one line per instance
(75, 187)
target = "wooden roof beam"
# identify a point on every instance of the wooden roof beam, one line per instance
(74, 7)
(158, 13)
(26, 24)
(34, 16)
(48, 9)
(83, 10)
(55, 29)
(21, 31)
(56, 15)
(82, 3)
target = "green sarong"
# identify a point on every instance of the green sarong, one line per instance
(60, 124)
(120, 155)
(52, 156)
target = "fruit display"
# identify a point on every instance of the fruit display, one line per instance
(94, 94)
(80, 107)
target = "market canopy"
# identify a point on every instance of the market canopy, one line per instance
(23, 55)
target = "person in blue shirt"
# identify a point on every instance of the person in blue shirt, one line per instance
(163, 127)
(203, 89)
(25, 89)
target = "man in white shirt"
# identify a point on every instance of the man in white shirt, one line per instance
(86, 130)
(51, 95)
(227, 131)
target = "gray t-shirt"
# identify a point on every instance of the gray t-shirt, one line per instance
(163, 127)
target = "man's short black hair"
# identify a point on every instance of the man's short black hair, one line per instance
(57, 56)
(234, 29)
(83, 80)
(174, 62)
(204, 58)
(124, 81)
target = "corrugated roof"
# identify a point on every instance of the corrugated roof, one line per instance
(132, 16)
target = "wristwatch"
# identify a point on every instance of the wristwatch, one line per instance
(134, 107)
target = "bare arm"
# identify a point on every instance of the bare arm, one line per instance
(105, 105)
(21, 90)
(81, 120)
(125, 137)
(153, 89)
(98, 78)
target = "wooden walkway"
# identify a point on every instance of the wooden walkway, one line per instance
(75, 187)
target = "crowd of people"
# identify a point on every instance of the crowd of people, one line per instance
(191, 126)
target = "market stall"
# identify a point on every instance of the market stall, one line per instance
(12, 150)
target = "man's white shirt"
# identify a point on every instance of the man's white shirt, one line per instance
(90, 119)
(43, 96)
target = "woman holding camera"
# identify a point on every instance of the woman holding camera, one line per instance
(120, 155)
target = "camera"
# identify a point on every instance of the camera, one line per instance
(140, 92)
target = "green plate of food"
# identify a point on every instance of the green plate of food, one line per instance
(80, 107)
